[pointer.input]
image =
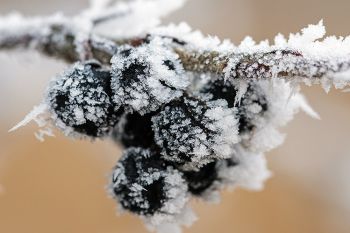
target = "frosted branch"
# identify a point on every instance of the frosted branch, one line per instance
(282, 63)
(292, 60)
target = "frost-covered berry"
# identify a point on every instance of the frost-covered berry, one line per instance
(146, 77)
(145, 185)
(80, 103)
(193, 131)
(251, 105)
(135, 130)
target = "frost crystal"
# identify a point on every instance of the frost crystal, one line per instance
(146, 77)
(80, 103)
(41, 117)
(193, 132)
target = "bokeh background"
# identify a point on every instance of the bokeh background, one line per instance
(58, 186)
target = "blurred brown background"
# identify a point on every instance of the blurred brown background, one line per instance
(58, 186)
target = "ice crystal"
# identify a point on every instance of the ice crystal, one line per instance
(201, 180)
(40, 115)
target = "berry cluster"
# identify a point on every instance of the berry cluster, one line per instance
(177, 140)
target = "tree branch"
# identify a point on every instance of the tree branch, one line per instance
(60, 41)
(282, 63)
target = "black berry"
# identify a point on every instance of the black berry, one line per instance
(143, 184)
(80, 101)
(135, 130)
(146, 77)
(193, 132)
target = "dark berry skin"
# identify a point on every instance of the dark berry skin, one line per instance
(169, 64)
(136, 131)
(199, 181)
(203, 179)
